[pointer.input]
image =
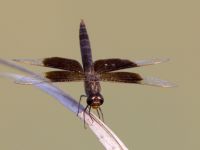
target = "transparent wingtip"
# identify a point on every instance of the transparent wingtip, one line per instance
(151, 61)
(30, 61)
(157, 82)
(28, 81)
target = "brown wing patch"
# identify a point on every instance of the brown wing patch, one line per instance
(107, 65)
(126, 77)
(63, 63)
(64, 76)
(54, 62)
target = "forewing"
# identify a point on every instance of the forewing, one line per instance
(107, 65)
(114, 64)
(54, 62)
(128, 77)
(153, 61)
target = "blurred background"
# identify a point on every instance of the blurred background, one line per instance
(143, 117)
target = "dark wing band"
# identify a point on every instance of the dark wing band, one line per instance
(64, 76)
(126, 77)
(54, 62)
(107, 65)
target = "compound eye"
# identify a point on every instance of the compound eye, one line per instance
(101, 101)
(90, 100)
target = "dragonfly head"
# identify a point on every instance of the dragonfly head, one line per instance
(95, 100)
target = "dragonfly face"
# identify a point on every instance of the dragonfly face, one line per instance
(92, 73)
(95, 100)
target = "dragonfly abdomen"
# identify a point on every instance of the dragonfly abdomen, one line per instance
(85, 48)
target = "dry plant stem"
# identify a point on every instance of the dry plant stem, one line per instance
(105, 135)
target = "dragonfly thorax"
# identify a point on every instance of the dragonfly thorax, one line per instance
(91, 76)
(95, 100)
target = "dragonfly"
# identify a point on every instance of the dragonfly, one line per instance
(93, 72)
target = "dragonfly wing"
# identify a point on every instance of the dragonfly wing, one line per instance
(153, 61)
(128, 77)
(26, 80)
(125, 77)
(114, 64)
(52, 76)
(156, 82)
(64, 76)
(107, 65)
(54, 62)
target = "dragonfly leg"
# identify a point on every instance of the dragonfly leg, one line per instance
(98, 114)
(84, 115)
(80, 102)
(90, 114)
(101, 114)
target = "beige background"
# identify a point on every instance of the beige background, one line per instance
(145, 118)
